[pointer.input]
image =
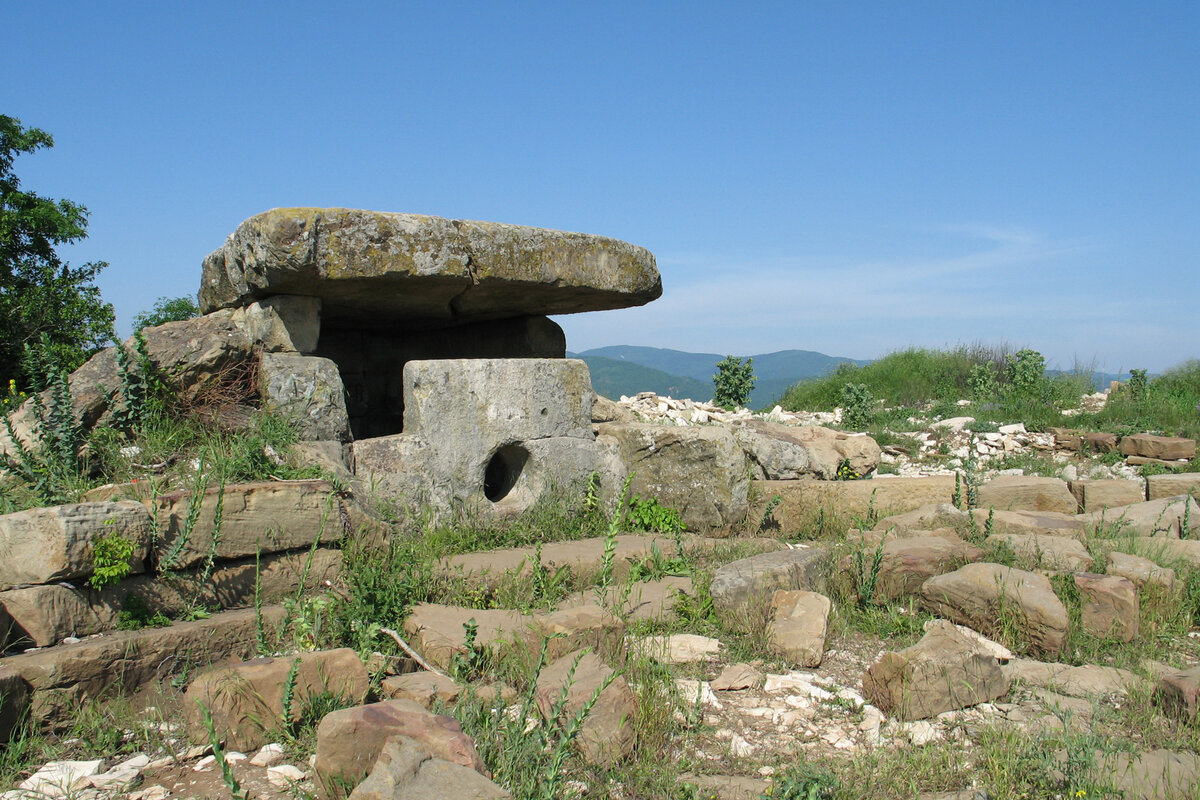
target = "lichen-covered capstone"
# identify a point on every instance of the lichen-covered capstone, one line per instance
(409, 270)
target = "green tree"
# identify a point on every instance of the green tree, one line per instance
(733, 382)
(44, 302)
(166, 309)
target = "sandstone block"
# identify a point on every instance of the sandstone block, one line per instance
(1026, 493)
(266, 517)
(283, 323)
(1179, 693)
(349, 741)
(412, 269)
(1170, 517)
(987, 597)
(909, 561)
(246, 700)
(607, 734)
(57, 543)
(802, 500)
(582, 625)
(423, 688)
(1042, 551)
(798, 626)
(1110, 607)
(62, 678)
(1168, 485)
(940, 673)
(736, 585)
(406, 769)
(439, 632)
(1099, 495)
(1142, 571)
(1168, 448)
(14, 701)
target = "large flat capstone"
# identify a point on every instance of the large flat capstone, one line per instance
(409, 270)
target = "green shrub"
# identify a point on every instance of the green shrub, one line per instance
(858, 405)
(733, 382)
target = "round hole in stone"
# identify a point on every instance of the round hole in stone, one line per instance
(503, 471)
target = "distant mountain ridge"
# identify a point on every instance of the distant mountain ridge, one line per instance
(628, 369)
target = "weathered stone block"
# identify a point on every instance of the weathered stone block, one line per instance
(307, 391)
(1168, 485)
(1171, 517)
(1042, 551)
(1179, 693)
(57, 543)
(283, 323)
(1168, 448)
(266, 517)
(787, 452)
(1099, 495)
(699, 471)
(801, 501)
(942, 672)
(350, 740)
(1026, 493)
(607, 735)
(1110, 607)
(986, 597)
(799, 622)
(246, 700)
(738, 584)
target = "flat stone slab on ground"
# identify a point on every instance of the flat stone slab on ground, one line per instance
(1042, 551)
(1162, 517)
(607, 735)
(1087, 680)
(1167, 485)
(1027, 493)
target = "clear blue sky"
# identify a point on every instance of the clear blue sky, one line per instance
(845, 177)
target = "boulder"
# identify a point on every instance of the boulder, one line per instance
(1027, 493)
(787, 452)
(1168, 448)
(406, 769)
(909, 561)
(57, 543)
(941, 672)
(199, 356)
(1162, 517)
(607, 734)
(1041, 551)
(247, 700)
(699, 471)
(1142, 571)
(440, 632)
(799, 623)
(1173, 485)
(409, 269)
(350, 740)
(307, 391)
(1099, 495)
(1179, 693)
(989, 597)
(1110, 606)
(738, 584)
(928, 517)
(262, 517)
